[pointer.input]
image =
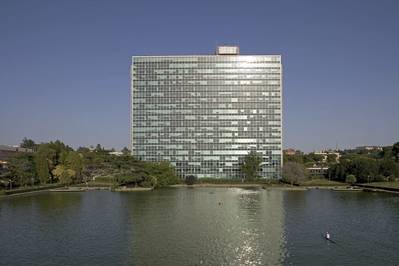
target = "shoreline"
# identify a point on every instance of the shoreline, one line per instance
(218, 185)
(249, 185)
(77, 189)
(132, 189)
(282, 187)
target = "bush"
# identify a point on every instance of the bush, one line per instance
(380, 178)
(131, 179)
(191, 180)
(351, 179)
(151, 181)
(104, 179)
(220, 180)
(294, 173)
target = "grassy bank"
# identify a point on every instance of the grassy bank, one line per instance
(96, 184)
(22, 190)
(319, 182)
(322, 182)
(383, 185)
(226, 181)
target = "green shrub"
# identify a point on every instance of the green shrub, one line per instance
(351, 179)
(380, 178)
(191, 180)
(105, 179)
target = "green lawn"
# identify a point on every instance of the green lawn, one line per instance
(384, 184)
(30, 189)
(322, 182)
(96, 184)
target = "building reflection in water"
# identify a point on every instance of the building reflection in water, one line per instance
(262, 240)
(209, 226)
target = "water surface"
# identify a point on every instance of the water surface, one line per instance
(201, 226)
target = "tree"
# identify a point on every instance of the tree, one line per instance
(132, 177)
(74, 162)
(365, 169)
(298, 158)
(99, 148)
(351, 179)
(63, 174)
(339, 171)
(163, 171)
(44, 162)
(191, 180)
(331, 158)
(389, 167)
(28, 144)
(59, 148)
(395, 151)
(125, 151)
(63, 157)
(294, 173)
(83, 150)
(251, 165)
(22, 169)
(312, 158)
(386, 153)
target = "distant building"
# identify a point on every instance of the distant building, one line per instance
(116, 153)
(328, 152)
(6, 151)
(3, 165)
(291, 152)
(317, 171)
(369, 148)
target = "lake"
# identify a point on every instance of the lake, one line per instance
(200, 226)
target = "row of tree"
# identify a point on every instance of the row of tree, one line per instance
(126, 170)
(55, 162)
(310, 159)
(50, 162)
(355, 165)
(360, 169)
(367, 165)
(364, 170)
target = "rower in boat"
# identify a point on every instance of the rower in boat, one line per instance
(327, 237)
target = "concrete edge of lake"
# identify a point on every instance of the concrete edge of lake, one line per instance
(357, 188)
(132, 189)
(77, 189)
(256, 186)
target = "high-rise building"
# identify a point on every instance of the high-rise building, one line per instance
(205, 113)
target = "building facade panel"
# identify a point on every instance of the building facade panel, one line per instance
(205, 113)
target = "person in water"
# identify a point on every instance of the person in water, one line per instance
(328, 235)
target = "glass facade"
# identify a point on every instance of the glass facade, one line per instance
(205, 113)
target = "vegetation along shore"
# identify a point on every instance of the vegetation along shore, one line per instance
(58, 167)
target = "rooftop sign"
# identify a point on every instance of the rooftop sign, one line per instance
(228, 50)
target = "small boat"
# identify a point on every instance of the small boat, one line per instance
(328, 239)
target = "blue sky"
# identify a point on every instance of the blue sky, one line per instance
(64, 65)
